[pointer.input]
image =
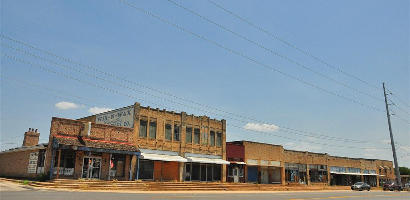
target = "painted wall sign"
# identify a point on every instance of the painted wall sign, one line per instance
(32, 163)
(121, 117)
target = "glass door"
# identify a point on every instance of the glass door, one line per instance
(91, 167)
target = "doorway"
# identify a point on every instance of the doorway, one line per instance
(235, 174)
(91, 168)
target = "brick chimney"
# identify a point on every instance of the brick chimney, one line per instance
(31, 137)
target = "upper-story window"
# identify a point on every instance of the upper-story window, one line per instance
(212, 138)
(152, 129)
(196, 135)
(205, 138)
(143, 128)
(168, 132)
(176, 132)
(188, 136)
(219, 139)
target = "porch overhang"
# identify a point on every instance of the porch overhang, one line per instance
(100, 146)
(208, 160)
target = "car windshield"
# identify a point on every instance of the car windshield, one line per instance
(359, 183)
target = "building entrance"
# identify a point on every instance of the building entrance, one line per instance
(91, 167)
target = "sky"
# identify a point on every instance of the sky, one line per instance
(76, 58)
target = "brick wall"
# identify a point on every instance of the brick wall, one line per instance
(15, 164)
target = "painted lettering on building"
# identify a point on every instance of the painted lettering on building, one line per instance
(123, 117)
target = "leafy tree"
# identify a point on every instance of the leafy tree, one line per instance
(404, 170)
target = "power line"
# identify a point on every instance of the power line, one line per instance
(250, 59)
(275, 53)
(96, 85)
(305, 133)
(289, 44)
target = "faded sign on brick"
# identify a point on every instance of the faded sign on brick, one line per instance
(32, 163)
(121, 117)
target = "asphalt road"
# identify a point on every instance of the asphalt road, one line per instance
(17, 192)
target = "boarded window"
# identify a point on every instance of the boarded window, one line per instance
(212, 138)
(176, 133)
(152, 130)
(168, 132)
(196, 135)
(188, 138)
(143, 128)
(219, 139)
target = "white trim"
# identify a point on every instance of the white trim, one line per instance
(238, 163)
(152, 156)
(208, 160)
(36, 147)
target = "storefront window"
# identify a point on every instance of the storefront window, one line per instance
(295, 173)
(318, 173)
(117, 165)
(146, 170)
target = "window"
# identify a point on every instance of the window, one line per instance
(176, 133)
(143, 128)
(188, 138)
(152, 130)
(168, 132)
(212, 136)
(219, 139)
(196, 135)
(205, 138)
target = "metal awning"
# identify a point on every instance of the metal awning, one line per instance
(347, 173)
(162, 157)
(239, 163)
(208, 160)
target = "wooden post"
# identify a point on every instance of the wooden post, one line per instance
(58, 163)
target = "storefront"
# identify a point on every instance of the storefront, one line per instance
(344, 176)
(295, 173)
(236, 172)
(159, 165)
(74, 157)
(202, 167)
(318, 173)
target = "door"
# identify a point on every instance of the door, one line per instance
(235, 174)
(91, 167)
(252, 174)
(264, 176)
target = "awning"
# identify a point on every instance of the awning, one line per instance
(347, 173)
(208, 160)
(161, 157)
(238, 163)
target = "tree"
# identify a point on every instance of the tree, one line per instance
(404, 171)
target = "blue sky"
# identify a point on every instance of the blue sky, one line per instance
(368, 39)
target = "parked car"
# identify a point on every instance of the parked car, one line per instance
(392, 186)
(407, 186)
(361, 186)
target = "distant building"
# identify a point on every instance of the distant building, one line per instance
(266, 163)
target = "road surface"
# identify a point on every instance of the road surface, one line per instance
(13, 191)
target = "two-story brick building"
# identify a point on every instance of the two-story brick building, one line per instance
(136, 142)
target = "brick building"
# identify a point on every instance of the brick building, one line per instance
(267, 163)
(133, 142)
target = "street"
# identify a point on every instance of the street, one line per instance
(13, 191)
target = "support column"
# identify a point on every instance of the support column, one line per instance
(283, 175)
(58, 163)
(362, 178)
(132, 167)
(181, 171)
(328, 175)
(307, 175)
(377, 181)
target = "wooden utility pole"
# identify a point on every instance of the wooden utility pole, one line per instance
(396, 165)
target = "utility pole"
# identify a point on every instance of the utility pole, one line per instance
(396, 165)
